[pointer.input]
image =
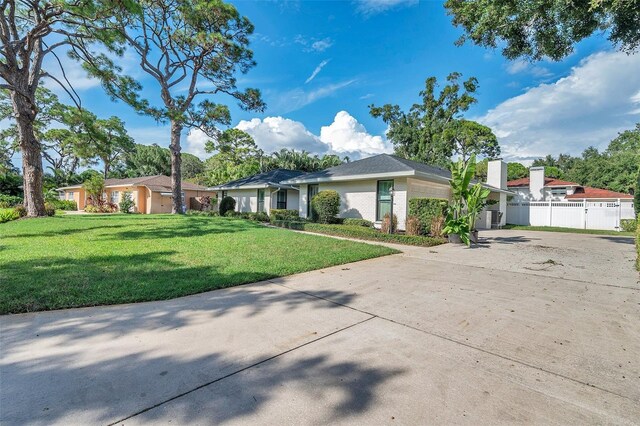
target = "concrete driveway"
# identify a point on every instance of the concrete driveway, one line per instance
(531, 327)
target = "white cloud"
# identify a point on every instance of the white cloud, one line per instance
(274, 133)
(322, 45)
(317, 70)
(368, 8)
(588, 107)
(295, 99)
(313, 44)
(347, 135)
(195, 143)
(522, 66)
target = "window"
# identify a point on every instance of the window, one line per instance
(224, 194)
(383, 198)
(114, 197)
(70, 195)
(282, 199)
(312, 191)
(260, 200)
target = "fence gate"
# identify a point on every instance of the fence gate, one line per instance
(601, 215)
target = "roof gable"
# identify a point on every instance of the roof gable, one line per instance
(270, 178)
(377, 165)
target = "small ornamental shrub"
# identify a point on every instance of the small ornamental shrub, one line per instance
(437, 225)
(7, 215)
(260, 217)
(413, 226)
(358, 222)
(427, 210)
(126, 203)
(232, 213)
(21, 210)
(7, 201)
(325, 206)
(387, 227)
(49, 209)
(284, 214)
(629, 225)
(227, 204)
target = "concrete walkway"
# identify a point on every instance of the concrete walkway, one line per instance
(531, 327)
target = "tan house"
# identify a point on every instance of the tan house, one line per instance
(151, 194)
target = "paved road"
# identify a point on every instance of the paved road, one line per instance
(530, 327)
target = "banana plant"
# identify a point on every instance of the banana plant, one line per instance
(467, 201)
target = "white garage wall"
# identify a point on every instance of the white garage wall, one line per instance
(246, 199)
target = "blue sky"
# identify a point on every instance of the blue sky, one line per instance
(320, 64)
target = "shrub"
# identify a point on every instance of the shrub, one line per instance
(360, 232)
(284, 214)
(49, 209)
(7, 215)
(227, 204)
(232, 213)
(428, 210)
(64, 204)
(126, 204)
(259, 217)
(638, 243)
(629, 225)
(325, 206)
(7, 201)
(21, 210)
(358, 222)
(387, 227)
(437, 225)
(413, 226)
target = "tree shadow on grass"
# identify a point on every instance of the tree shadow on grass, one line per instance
(56, 282)
(191, 227)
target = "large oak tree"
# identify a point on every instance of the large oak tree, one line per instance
(538, 29)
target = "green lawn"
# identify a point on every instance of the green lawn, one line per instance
(570, 230)
(85, 260)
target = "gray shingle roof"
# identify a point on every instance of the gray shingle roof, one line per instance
(376, 165)
(271, 178)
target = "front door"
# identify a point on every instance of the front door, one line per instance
(312, 191)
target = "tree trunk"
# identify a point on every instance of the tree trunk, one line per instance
(176, 160)
(31, 155)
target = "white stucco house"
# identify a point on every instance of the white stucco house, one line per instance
(262, 192)
(365, 187)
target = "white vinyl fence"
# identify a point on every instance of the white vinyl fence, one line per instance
(574, 214)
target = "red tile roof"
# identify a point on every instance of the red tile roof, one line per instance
(588, 192)
(547, 182)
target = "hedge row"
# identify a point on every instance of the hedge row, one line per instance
(638, 244)
(360, 232)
